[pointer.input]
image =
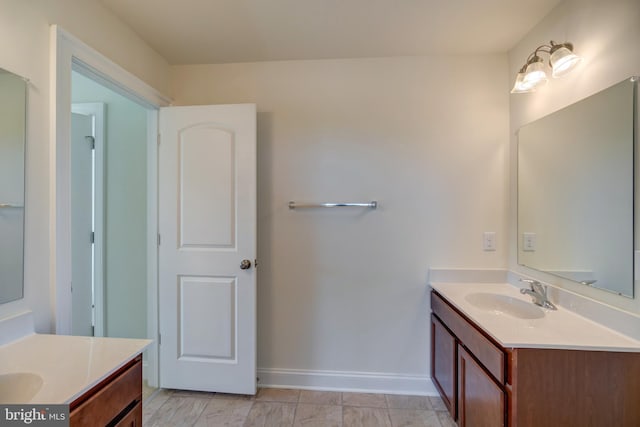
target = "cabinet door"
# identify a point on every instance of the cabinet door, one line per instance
(443, 363)
(481, 402)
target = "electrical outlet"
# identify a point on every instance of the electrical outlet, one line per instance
(489, 241)
(529, 242)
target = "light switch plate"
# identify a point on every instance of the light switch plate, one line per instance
(489, 241)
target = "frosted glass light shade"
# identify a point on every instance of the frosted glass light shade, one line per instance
(563, 61)
(535, 74)
(520, 86)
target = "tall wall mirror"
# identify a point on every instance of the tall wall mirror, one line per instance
(13, 102)
(576, 191)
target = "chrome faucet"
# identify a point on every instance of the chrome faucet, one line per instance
(538, 292)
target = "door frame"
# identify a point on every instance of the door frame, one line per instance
(96, 110)
(66, 53)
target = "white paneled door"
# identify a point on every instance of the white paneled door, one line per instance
(207, 221)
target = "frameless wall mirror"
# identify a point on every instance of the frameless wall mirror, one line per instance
(13, 102)
(576, 191)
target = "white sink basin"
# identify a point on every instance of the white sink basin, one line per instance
(19, 387)
(502, 304)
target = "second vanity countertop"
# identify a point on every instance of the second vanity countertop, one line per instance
(68, 365)
(556, 329)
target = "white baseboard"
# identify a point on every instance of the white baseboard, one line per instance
(368, 382)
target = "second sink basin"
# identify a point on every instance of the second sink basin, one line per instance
(19, 387)
(502, 304)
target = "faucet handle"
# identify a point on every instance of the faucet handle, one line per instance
(536, 286)
(531, 282)
(538, 292)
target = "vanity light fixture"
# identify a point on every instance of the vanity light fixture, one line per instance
(532, 74)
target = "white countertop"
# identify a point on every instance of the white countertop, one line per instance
(69, 365)
(559, 329)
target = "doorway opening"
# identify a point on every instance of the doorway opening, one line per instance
(72, 59)
(220, 223)
(112, 278)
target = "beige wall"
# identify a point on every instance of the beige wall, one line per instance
(24, 49)
(607, 35)
(345, 290)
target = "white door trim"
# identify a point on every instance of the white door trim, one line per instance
(66, 53)
(96, 110)
(152, 363)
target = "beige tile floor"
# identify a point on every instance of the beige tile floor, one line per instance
(281, 407)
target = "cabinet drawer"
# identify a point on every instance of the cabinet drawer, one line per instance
(491, 356)
(110, 400)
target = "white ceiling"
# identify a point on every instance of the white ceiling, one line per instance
(223, 31)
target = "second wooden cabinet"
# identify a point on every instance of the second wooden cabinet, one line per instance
(484, 384)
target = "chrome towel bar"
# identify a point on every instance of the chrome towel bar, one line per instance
(371, 205)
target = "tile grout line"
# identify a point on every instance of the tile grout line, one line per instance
(158, 408)
(202, 412)
(295, 409)
(386, 402)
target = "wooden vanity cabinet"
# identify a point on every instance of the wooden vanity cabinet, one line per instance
(116, 401)
(528, 387)
(475, 365)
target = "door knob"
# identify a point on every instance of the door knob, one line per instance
(245, 264)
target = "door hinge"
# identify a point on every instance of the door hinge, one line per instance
(159, 137)
(158, 239)
(93, 237)
(92, 141)
(159, 339)
(93, 331)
